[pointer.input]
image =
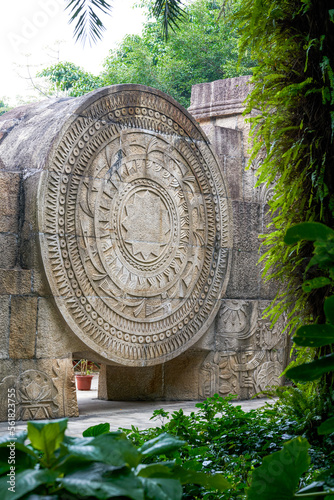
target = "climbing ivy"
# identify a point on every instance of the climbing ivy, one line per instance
(292, 124)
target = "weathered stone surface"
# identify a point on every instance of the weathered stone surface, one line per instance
(134, 225)
(245, 276)
(219, 98)
(54, 337)
(244, 373)
(8, 251)
(40, 285)
(250, 355)
(4, 326)
(233, 169)
(15, 281)
(228, 142)
(37, 389)
(27, 132)
(208, 341)
(130, 383)
(178, 379)
(246, 226)
(23, 320)
(9, 189)
(182, 376)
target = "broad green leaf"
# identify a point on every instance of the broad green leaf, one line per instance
(313, 370)
(278, 476)
(42, 497)
(314, 335)
(111, 449)
(321, 258)
(46, 436)
(310, 231)
(329, 309)
(20, 447)
(25, 458)
(155, 470)
(77, 440)
(160, 445)
(326, 427)
(161, 488)
(87, 487)
(98, 481)
(96, 430)
(310, 285)
(25, 482)
(216, 481)
(117, 449)
(88, 453)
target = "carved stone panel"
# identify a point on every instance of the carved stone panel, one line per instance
(38, 389)
(250, 353)
(134, 226)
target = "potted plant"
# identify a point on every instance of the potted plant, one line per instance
(84, 377)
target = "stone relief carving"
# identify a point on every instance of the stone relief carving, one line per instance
(134, 228)
(35, 395)
(251, 352)
(263, 192)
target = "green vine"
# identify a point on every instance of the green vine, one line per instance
(292, 124)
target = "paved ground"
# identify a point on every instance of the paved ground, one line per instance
(122, 413)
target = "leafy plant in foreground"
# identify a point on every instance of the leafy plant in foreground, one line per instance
(312, 336)
(221, 437)
(102, 465)
(316, 335)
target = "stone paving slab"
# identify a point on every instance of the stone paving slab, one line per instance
(124, 413)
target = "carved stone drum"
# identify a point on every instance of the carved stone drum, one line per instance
(134, 226)
(128, 239)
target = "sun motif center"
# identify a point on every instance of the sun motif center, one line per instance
(146, 224)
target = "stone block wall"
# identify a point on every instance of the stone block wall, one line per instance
(35, 357)
(247, 354)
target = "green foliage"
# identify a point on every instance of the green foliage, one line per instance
(203, 49)
(4, 107)
(71, 79)
(278, 476)
(169, 12)
(293, 130)
(316, 335)
(229, 455)
(97, 430)
(102, 465)
(223, 438)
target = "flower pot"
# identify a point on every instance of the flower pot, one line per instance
(84, 382)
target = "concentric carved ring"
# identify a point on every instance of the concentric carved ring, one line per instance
(134, 226)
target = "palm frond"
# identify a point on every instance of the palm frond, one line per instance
(170, 12)
(88, 24)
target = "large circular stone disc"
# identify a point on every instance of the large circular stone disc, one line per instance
(134, 226)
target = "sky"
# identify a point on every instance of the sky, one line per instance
(35, 34)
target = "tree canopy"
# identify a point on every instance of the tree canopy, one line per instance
(203, 49)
